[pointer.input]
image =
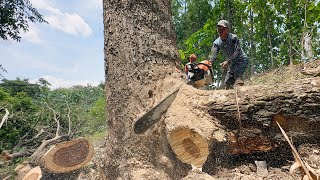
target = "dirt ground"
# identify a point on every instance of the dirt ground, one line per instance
(240, 167)
(278, 165)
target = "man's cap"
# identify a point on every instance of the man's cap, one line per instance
(224, 23)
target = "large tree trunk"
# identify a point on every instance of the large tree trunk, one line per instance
(140, 58)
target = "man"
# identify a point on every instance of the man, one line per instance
(198, 74)
(236, 60)
(192, 61)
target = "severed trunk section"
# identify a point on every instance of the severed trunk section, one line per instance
(68, 156)
(189, 146)
(34, 174)
(190, 129)
(199, 120)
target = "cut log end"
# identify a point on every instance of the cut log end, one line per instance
(33, 174)
(68, 156)
(189, 146)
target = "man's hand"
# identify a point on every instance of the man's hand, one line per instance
(224, 65)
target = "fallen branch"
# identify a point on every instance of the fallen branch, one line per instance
(53, 140)
(5, 117)
(5, 155)
(296, 155)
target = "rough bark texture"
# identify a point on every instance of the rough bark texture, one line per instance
(140, 56)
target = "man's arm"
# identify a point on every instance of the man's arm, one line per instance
(215, 50)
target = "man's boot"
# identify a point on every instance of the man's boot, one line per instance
(229, 86)
(240, 81)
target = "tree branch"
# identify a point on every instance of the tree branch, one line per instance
(4, 118)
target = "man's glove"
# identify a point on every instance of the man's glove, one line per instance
(224, 65)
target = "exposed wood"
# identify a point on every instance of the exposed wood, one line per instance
(190, 128)
(4, 118)
(68, 156)
(294, 105)
(297, 156)
(22, 170)
(189, 146)
(34, 174)
(5, 155)
(311, 71)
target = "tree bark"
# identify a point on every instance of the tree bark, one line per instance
(199, 120)
(141, 60)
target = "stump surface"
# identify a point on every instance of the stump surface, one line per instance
(68, 156)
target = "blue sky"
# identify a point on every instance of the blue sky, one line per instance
(68, 51)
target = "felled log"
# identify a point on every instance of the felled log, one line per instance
(199, 119)
(311, 71)
(68, 156)
(34, 174)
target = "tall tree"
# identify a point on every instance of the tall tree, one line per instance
(188, 17)
(134, 78)
(15, 16)
(252, 46)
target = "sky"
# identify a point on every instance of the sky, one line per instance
(67, 51)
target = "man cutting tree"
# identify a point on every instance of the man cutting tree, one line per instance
(236, 60)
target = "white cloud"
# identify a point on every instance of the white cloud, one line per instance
(45, 5)
(70, 23)
(62, 83)
(32, 35)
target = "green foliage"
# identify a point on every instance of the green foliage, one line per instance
(22, 109)
(14, 17)
(18, 85)
(271, 38)
(34, 107)
(188, 17)
(3, 95)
